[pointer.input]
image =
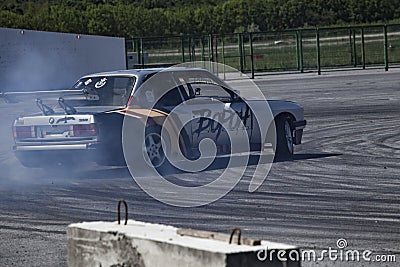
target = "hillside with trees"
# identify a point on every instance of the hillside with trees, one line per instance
(133, 18)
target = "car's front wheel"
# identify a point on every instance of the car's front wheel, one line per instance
(284, 136)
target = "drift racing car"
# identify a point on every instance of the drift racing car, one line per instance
(86, 122)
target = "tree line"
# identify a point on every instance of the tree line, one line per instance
(134, 18)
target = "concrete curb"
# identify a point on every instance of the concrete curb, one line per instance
(153, 245)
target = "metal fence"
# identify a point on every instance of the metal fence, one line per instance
(292, 50)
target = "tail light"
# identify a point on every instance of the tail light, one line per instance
(21, 132)
(84, 129)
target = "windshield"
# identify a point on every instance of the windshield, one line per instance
(102, 91)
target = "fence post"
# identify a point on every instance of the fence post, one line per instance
(251, 55)
(216, 48)
(211, 48)
(137, 50)
(190, 48)
(202, 48)
(126, 52)
(297, 50)
(351, 46)
(183, 49)
(240, 52)
(301, 52)
(244, 53)
(363, 47)
(216, 53)
(386, 48)
(223, 54)
(141, 53)
(318, 51)
(354, 48)
(223, 48)
(203, 56)
(211, 51)
(194, 49)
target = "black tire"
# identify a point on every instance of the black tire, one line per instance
(284, 138)
(156, 154)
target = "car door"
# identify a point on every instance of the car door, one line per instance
(213, 109)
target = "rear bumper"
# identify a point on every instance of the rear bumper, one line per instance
(46, 147)
(53, 154)
(45, 154)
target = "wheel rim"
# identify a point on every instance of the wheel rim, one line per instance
(154, 149)
(289, 137)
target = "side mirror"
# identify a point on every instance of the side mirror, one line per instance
(236, 95)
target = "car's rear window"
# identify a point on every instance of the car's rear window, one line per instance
(104, 91)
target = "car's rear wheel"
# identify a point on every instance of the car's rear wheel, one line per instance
(154, 147)
(284, 136)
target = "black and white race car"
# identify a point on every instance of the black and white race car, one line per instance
(86, 122)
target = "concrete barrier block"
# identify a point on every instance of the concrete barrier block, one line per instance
(142, 244)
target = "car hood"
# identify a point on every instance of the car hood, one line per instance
(277, 104)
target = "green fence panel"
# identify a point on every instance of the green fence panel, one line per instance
(274, 51)
(336, 48)
(169, 50)
(394, 44)
(230, 50)
(357, 50)
(309, 49)
(374, 46)
(290, 50)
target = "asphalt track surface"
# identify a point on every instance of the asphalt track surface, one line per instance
(343, 183)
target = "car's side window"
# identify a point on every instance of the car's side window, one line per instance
(171, 99)
(214, 91)
(157, 91)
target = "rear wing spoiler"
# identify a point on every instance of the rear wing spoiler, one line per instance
(15, 97)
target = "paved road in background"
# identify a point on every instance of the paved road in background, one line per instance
(343, 183)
